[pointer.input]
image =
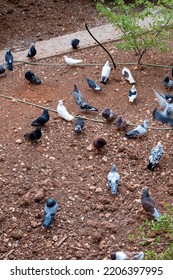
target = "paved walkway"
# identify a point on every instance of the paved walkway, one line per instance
(61, 45)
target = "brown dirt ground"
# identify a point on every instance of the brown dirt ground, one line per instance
(91, 221)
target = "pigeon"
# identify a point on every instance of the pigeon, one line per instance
(50, 210)
(42, 119)
(168, 97)
(71, 61)
(155, 155)
(99, 143)
(121, 123)
(164, 104)
(138, 131)
(126, 256)
(3, 67)
(80, 103)
(113, 179)
(32, 51)
(149, 205)
(9, 59)
(79, 124)
(106, 70)
(75, 43)
(30, 76)
(127, 75)
(108, 115)
(62, 111)
(159, 116)
(34, 135)
(132, 94)
(168, 83)
(93, 85)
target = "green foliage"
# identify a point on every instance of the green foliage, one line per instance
(161, 232)
(129, 18)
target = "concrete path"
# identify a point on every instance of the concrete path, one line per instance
(61, 45)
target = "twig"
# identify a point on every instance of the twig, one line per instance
(77, 248)
(6, 254)
(61, 241)
(77, 116)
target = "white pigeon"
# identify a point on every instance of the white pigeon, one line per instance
(155, 155)
(132, 94)
(71, 61)
(128, 75)
(113, 179)
(62, 111)
(106, 70)
(168, 108)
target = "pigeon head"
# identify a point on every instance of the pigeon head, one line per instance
(60, 102)
(146, 123)
(50, 202)
(78, 129)
(32, 44)
(166, 80)
(145, 192)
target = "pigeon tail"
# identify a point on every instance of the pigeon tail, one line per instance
(104, 80)
(114, 187)
(47, 221)
(150, 166)
(36, 80)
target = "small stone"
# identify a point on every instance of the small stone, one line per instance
(34, 224)
(105, 159)
(89, 147)
(98, 190)
(52, 158)
(55, 238)
(17, 234)
(39, 195)
(2, 216)
(19, 141)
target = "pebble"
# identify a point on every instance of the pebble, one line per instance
(98, 190)
(89, 147)
(39, 195)
(19, 141)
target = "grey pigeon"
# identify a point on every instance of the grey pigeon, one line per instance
(108, 115)
(138, 131)
(149, 205)
(164, 104)
(126, 255)
(155, 155)
(168, 83)
(42, 119)
(75, 43)
(9, 59)
(132, 94)
(159, 116)
(50, 210)
(3, 67)
(32, 51)
(34, 135)
(79, 124)
(32, 78)
(84, 106)
(93, 85)
(113, 179)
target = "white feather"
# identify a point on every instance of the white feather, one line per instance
(71, 61)
(62, 112)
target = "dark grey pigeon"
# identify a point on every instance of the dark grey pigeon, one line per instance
(84, 106)
(155, 156)
(32, 51)
(3, 68)
(93, 85)
(75, 43)
(168, 83)
(138, 131)
(30, 76)
(50, 210)
(34, 135)
(42, 119)
(79, 124)
(108, 115)
(149, 205)
(168, 97)
(159, 116)
(9, 59)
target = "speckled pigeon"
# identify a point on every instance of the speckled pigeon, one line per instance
(149, 205)
(42, 119)
(113, 179)
(138, 131)
(9, 59)
(50, 210)
(155, 156)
